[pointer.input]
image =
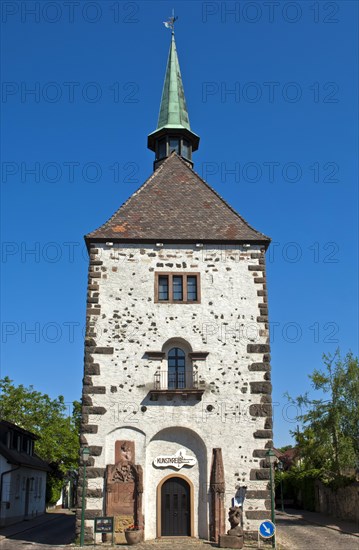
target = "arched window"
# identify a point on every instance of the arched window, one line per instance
(176, 369)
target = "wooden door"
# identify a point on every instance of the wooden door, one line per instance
(175, 508)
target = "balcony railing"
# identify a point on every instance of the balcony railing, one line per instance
(170, 384)
(165, 380)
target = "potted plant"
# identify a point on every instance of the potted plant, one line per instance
(133, 534)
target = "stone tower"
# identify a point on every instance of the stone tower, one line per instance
(176, 399)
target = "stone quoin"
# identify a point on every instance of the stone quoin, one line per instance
(177, 355)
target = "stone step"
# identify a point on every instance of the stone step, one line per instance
(178, 541)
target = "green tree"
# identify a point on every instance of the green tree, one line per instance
(50, 419)
(330, 435)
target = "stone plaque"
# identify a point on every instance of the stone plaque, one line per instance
(120, 494)
(124, 487)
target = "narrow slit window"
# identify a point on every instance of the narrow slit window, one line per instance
(163, 291)
(178, 288)
(185, 149)
(161, 148)
(174, 145)
(191, 289)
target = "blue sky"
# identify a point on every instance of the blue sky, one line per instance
(272, 92)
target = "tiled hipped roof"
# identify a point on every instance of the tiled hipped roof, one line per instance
(175, 204)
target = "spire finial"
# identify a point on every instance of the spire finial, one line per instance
(170, 23)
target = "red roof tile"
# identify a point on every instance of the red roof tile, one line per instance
(175, 204)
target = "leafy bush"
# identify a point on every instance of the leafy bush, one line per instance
(299, 486)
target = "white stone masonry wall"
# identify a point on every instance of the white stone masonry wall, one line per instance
(230, 323)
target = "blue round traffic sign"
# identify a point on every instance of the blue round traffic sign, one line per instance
(266, 529)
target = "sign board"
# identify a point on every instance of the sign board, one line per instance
(266, 529)
(104, 525)
(178, 460)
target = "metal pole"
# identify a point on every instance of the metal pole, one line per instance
(82, 534)
(272, 501)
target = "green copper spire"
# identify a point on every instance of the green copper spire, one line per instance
(173, 110)
(173, 121)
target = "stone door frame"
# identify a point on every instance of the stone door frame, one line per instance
(159, 503)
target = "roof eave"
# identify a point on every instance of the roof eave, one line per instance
(91, 239)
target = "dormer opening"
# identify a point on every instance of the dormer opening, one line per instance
(173, 143)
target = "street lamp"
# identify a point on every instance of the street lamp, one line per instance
(85, 456)
(272, 458)
(280, 469)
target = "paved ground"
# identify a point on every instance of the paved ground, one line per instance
(296, 530)
(43, 532)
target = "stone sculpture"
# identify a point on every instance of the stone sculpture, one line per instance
(235, 519)
(234, 536)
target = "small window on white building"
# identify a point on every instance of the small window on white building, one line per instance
(177, 288)
(17, 486)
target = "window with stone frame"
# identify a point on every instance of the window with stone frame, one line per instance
(177, 288)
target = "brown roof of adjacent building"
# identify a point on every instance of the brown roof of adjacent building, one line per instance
(176, 204)
(5, 425)
(22, 459)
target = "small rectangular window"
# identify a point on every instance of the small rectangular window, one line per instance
(15, 441)
(191, 289)
(17, 486)
(185, 149)
(161, 149)
(174, 145)
(177, 288)
(163, 287)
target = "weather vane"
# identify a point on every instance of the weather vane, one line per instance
(170, 24)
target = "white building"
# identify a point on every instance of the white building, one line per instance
(22, 475)
(177, 395)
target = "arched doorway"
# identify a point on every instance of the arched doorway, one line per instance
(168, 441)
(175, 507)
